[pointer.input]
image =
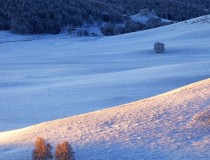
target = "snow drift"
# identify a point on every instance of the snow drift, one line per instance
(166, 126)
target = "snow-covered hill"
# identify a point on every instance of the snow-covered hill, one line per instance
(47, 77)
(174, 126)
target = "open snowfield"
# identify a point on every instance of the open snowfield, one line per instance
(171, 126)
(49, 77)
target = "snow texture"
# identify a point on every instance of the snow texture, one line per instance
(48, 77)
(161, 127)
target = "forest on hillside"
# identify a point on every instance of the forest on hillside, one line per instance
(177, 10)
(51, 16)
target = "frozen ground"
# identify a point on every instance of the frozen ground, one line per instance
(171, 126)
(49, 77)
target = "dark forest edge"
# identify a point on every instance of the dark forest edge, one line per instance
(111, 16)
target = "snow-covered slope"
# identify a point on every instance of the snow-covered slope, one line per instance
(53, 77)
(144, 18)
(174, 125)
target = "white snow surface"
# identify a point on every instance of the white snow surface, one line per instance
(144, 18)
(170, 126)
(48, 77)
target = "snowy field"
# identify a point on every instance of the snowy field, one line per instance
(49, 77)
(171, 126)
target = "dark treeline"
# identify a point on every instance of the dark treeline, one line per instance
(50, 16)
(177, 10)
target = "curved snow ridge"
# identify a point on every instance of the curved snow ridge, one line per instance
(200, 20)
(158, 128)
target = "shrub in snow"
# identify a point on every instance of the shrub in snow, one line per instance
(93, 34)
(42, 150)
(133, 26)
(64, 151)
(154, 22)
(159, 47)
(83, 32)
